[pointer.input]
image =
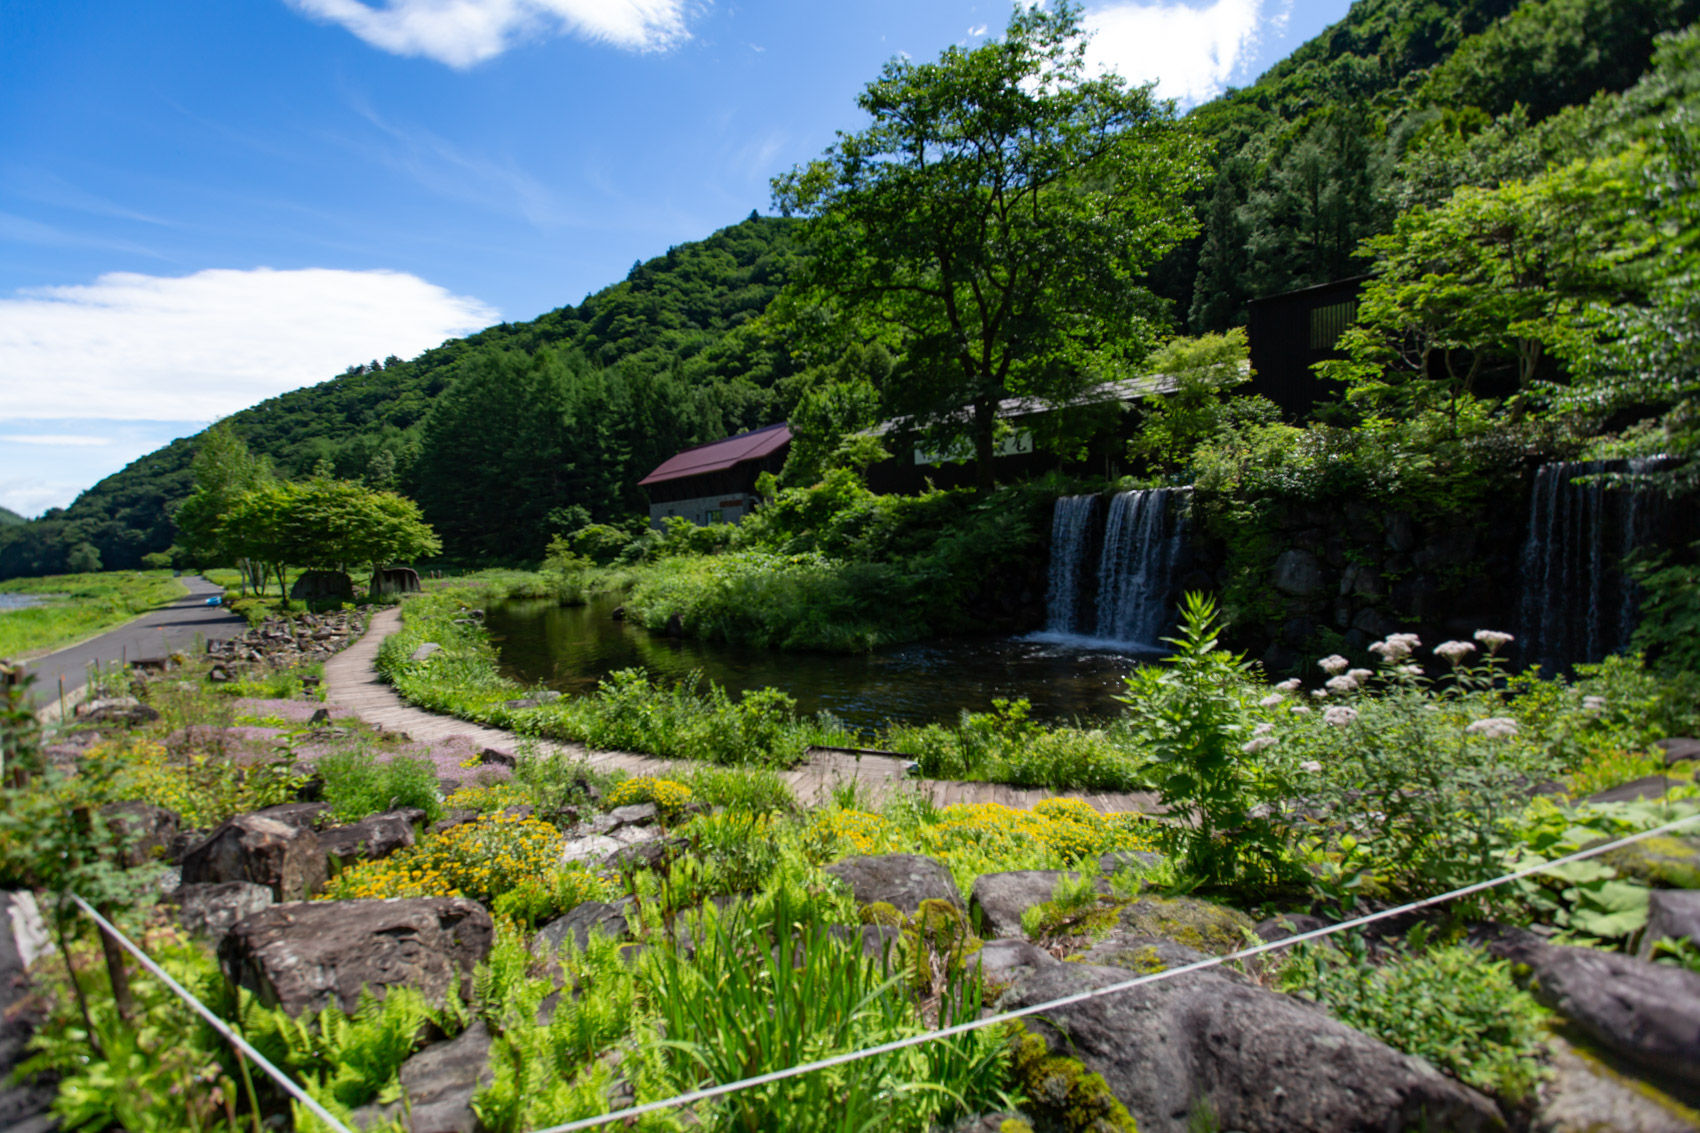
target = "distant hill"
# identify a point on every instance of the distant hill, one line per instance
(10, 518)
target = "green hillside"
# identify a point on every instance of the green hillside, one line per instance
(525, 429)
(10, 518)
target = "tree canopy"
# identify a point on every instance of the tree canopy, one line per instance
(994, 223)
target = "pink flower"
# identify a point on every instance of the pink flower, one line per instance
(1339, 715)
(1342, 685)
(1493, 639)
(1253, 746)
(1334, 664)
(1263, 729)
(1291, 684)
(1299, 709)
(1271, 701)
(1454, 651)
(1311, 766)
(1362, 676)
(1493, 727)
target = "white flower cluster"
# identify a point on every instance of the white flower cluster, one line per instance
(1493, 727)
(1361, 676)
(1397, 647)
(1291, 684)
(1273, 700)
(1339, 715)
(1593, 704)
(1454, 651)
(1253, 746)
(1493, 639)
(1299, 709)
(1311, 766)
(1334, 664)
(1342, 684)
(1263, 729)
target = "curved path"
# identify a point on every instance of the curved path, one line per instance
(352, 682)
(173, 628)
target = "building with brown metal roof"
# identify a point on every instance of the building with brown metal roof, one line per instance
(716, 482)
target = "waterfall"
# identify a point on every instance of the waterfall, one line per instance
(1577, 604)
(1071, 536)
(1144, 541)
(1140, 552)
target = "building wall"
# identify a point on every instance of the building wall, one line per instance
(704, 510)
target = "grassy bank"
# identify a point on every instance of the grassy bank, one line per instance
(77, 606)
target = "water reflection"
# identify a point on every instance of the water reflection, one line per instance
(572, 648)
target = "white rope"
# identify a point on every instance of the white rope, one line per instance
(212, 1019)
(1080, 997)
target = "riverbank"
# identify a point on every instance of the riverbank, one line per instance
(74, 607)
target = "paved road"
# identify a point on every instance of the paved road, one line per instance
(166, 630)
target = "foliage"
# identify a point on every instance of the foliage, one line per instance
(1669, 626)
(78, 606)
(345, 1061)
(994, 222)
(481, 860)
(1191, 714)
(204, 788)
(1005, 746)
(224, 472)
(356, 784)
(1455, 1006)
(1195, 406)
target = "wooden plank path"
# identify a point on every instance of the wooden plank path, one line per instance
(352, 682)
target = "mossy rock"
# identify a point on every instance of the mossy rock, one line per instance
(1663, 862)
(1062, 1095)
(1190, 922)
(882, 913)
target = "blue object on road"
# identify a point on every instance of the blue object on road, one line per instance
(216, 600)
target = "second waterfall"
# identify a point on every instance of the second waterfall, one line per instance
(1116, 582)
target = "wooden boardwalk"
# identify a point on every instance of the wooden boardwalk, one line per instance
(352, 682)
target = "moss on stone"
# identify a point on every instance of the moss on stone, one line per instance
(1664, 862)
(882, 913)
(1188, 921)
(1062, 1095)
(1014, 1125)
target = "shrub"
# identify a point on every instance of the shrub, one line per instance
(481, 860)
(670, 798)
(1455, 1006)
(357, 784)
(205, 790)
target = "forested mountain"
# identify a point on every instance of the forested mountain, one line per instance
(525, 429)
(10, 518)
(669, 352)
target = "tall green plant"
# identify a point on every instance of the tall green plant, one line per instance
(1192, 715)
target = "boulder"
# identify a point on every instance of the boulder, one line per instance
(23, 937)
(492, 757)
(1005, 961)
(1112, 862)
(652, 853)
(1298, 573)
(1145, 954)
(309, 955)
(302, 816)
(425, 652)
(997, 900)
(437, 1085)
(900, 880)
(1647, 1013)
(1287, 924)
(591, 848)
(1581, 1095)
(1672, 914)
(877, 941)
(212, 910)
(1196, 924)
(608, 918)
(376, 836)
(1678, 749)
(1647, 787)
(251, 847)
(119, 711)
(638, 814)
(145, 831)
(1260, 1062)
(1664, 862)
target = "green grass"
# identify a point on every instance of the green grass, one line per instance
(80, 606)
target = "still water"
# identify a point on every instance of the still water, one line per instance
(570, 648)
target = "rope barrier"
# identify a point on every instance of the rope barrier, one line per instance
(219, 1025)
(710, 1092)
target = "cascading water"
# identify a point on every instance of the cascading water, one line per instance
(1071, 536)
(1578, 605)
(1143, 547)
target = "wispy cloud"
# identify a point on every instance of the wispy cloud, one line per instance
(203, 345)
(1191, 52)
(55, 440)
(462, 33)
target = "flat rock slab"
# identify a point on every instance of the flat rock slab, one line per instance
(1263, 1062)
(252, 847)
(1664, 862)
(997, 900)
(1186, 921)
(900, 880)
(1647, 1013)
(608, 918)
(307, 955)
(1649, 787)
(1005, 961)
(1584, 1096)
(1678, 749)
(373, 837)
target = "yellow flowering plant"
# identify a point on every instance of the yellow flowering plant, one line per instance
(481, 860)
(670, 798)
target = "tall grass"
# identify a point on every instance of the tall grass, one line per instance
(76, 606)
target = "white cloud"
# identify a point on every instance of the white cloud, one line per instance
(1192, 53)
(461, 33)
(201, 346)
(55, 440)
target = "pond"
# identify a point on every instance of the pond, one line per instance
(571, 648)
(25, 601)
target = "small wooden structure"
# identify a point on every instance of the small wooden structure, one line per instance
(395, 580)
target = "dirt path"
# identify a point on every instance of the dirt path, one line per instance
(352, 681)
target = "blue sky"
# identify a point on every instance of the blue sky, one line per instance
(204, 203)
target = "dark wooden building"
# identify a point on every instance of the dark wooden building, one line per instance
(1290, 333)
(716, 482)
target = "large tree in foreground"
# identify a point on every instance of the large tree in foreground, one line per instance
(994, 224)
